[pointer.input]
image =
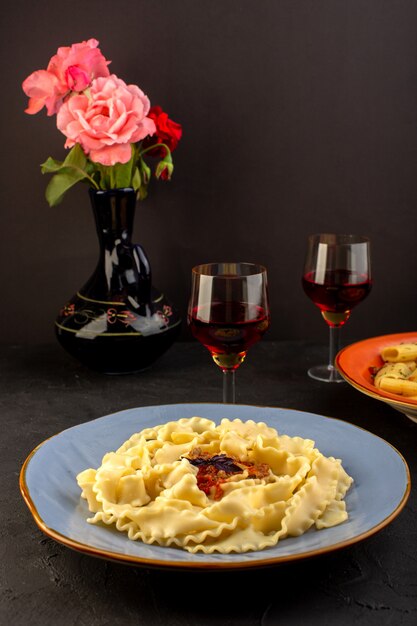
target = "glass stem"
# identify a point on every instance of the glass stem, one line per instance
(334, 347)
(229, 393)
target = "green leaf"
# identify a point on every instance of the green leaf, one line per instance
(66, 174)
(136, 179)
(118, 175)
(142, 192)
(61, 182)
(76, 157)
(51, 166)
(146, 171)
(122, 174)
(103, 176)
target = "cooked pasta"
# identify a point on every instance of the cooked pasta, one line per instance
(400, 352)
(398, 374)
(234, 487)
(399, 371)
(399, 386)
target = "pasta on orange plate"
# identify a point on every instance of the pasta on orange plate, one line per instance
(398, 375)
(234, 487)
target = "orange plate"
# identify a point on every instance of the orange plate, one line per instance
(354, 363)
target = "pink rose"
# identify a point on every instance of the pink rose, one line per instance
(106, 121)
(70, 69)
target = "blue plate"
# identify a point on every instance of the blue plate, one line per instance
(48, 484)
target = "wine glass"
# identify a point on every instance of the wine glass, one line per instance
(228, 312)
(337, 277)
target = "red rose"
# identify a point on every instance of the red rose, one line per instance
(167, 132)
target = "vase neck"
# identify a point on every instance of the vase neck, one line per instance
(123, 269)
(114, 212)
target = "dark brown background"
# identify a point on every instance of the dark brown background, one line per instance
(299, 116)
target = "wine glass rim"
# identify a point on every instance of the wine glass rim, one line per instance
(339, 238)
(203, 269)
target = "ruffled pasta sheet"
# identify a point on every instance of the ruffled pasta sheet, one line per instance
(148, 490)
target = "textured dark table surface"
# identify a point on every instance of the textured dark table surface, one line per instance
(43, 582)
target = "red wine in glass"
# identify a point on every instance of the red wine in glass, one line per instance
(228, 330)
(228, 312)
(336, 277)
(336, 296)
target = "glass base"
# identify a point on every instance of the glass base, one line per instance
(325, 373)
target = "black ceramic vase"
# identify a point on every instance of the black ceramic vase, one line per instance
(118, 322)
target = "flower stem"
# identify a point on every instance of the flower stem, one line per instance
(156, 145)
